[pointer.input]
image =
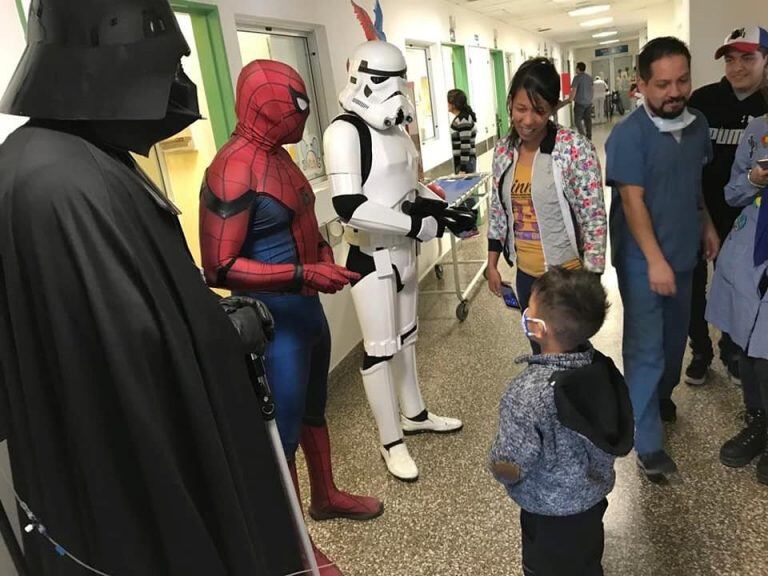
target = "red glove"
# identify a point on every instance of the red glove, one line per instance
(326, 277)
(325, 253)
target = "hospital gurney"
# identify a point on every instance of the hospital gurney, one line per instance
(458, 189)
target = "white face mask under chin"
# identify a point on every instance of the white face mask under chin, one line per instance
(672, 124)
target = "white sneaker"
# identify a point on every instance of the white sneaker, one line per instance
(433, 423)
(399, 463)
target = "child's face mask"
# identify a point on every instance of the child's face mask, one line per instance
(526, 321)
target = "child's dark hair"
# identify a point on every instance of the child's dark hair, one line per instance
(573, 303)
(458, 100)
(581, 67)
(540, 80)
(657, 49)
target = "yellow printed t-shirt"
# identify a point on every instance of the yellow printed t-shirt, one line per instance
(530, 255)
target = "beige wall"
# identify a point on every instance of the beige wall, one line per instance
(710, 22)
(670, 19)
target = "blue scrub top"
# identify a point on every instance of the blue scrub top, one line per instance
(638, 154)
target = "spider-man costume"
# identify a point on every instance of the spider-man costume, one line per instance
(259, 235)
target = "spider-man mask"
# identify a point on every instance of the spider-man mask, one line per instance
(272, 103)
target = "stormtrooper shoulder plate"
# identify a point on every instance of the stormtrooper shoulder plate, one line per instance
(380, 164)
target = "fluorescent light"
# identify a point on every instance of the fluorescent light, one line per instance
(605, 34)
(589, 10)
(596, 22)
(609, 41)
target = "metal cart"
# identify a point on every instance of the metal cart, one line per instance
(459, 189)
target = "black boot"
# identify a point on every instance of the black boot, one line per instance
(762, 468)
(747, 444)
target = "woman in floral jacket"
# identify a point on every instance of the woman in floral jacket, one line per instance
(547, 206)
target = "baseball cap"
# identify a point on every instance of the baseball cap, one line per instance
(749, 39)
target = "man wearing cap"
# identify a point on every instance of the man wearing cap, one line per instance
(728, 105)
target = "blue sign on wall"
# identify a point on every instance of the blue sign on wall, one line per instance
(611, 50)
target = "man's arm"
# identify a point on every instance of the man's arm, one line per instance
(710, 239)
(571, 97)
(661, 277)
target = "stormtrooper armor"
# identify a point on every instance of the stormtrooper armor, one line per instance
(373, 168)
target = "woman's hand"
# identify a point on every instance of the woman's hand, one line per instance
(492, 273)
(494, 280)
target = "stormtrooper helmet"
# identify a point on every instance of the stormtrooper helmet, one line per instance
(376, 87)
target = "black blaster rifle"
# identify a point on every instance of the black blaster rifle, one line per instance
(457, 219)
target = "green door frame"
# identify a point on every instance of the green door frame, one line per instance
(459, 64)
(214, 66)
(502, 114)
(22, 16)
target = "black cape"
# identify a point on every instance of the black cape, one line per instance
(133, 430)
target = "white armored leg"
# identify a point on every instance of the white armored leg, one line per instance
(407, 380)
(411, 402)
(380, 391)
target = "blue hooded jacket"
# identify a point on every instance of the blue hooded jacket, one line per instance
(738, 303)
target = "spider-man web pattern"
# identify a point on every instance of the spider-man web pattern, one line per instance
(254, 170)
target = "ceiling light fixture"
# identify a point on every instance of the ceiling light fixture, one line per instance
(605, 34)
(589, 10)
(609, 41)
(596, 22)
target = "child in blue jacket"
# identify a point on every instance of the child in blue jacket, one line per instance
(562, 422)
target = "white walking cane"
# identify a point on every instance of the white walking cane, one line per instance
(266, 401)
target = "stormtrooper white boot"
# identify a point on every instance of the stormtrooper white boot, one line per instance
(411, 402)
(380, 391)
(433, 423)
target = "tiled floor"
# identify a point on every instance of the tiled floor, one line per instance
(457, 521)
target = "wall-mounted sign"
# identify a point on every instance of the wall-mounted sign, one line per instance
(611, 50)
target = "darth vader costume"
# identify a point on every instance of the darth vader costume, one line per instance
(132, 426)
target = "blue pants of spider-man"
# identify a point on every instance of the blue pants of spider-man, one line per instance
(297, 363)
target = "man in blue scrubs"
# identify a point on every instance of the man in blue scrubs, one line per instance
(658, 220)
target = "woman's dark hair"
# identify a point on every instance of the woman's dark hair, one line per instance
(657, 49)
(458, 100)
(540, 80)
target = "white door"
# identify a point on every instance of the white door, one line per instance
(481, 94)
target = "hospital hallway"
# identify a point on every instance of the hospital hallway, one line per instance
(457, 521)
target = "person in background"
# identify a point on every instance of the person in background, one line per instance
(562, 423)
(463, 132)
(635, 97)
(738, 300)
(547, 197)
(602, 102)
(728, 106)
(658, 220)
(581, 96)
